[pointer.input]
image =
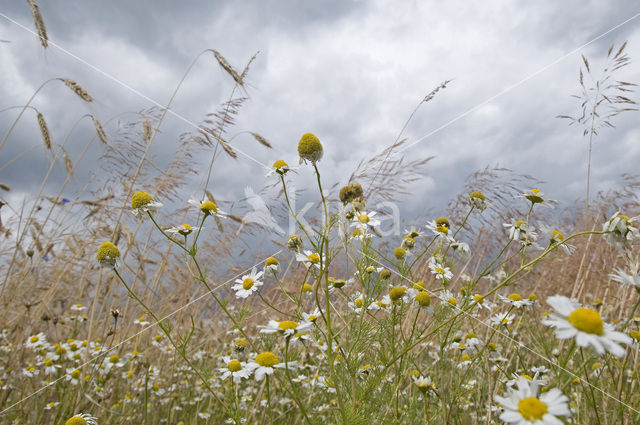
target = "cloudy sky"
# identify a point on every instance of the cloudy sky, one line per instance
(349, 71)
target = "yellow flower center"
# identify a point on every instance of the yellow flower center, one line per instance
(358, 302)
(140, 199)
(587, 320)
(423, 299)
(209, 207)
(247, 283)
(48, 362)
(279, 164)
(287, 324)
(357, 232)
(399, 253)
(313, 258)
(634, 334)
(76, 420)
(34, 339)
(234, 366)
(478, 298)
(557, 235)
(465, 357)
(535, 196)
(442, 221)
(267, 359)
(453, 301)
(476, 194)
(271, 262)
(533, 297)
(397, 292)
(309, 147)
(532, 408)
(306, 288)
(440, 270)
(107, 251)
(419, 285)
(442, 229)
(312, 318)
(114, 358)
(185, 229)
(515, 297)
(363, 218)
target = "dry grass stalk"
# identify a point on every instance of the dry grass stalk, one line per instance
(101, 134)
(227, 67)
(82, 93)
(261, 140)
(44, 130)
(146, 129)
(68, 164)
(39, 23)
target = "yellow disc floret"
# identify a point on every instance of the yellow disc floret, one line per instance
(234, 366)
(399, 253)
(532, 409)
(140, 199)
(397, 292)
(266, 359)
(515, 297)
(310, 148)
(423, 299)
(587, 320)
(209, 208)
(76, 420)
(287, 324)
(313, 258)
(247, 284)
(271, 261)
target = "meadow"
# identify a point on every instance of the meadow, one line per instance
(130, 305)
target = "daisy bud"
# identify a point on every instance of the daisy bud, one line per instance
(399, 253)
(108, 254)
(294, 243)
(309, 148)
(351, 192)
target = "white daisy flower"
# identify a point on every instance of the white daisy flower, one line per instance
(142, 321)
(265, 363)
(311, 318)
(208, 208)
(448, 297)
(366, 221)
(502, 319)
(439, 270)
(248, 284)
(554, 237)
(536, 196)
(424, 383)
(287, 327)
(82, 419)
(516, 300)
(143, 203)
(586, 326)
(523, 406)
(281, 168)
(78, 307)
(477, 200)
(620, 232)
(235, 369)
(271, 264)
(73, 376)
(520, 231)
(440, 228)
(183, 229)
(628, 279)
(37, 342)
(309, 259)
(356, 302)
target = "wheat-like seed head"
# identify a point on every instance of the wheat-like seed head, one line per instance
(82, 93)
(44, 130)
(101, 134)
(39, 23)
